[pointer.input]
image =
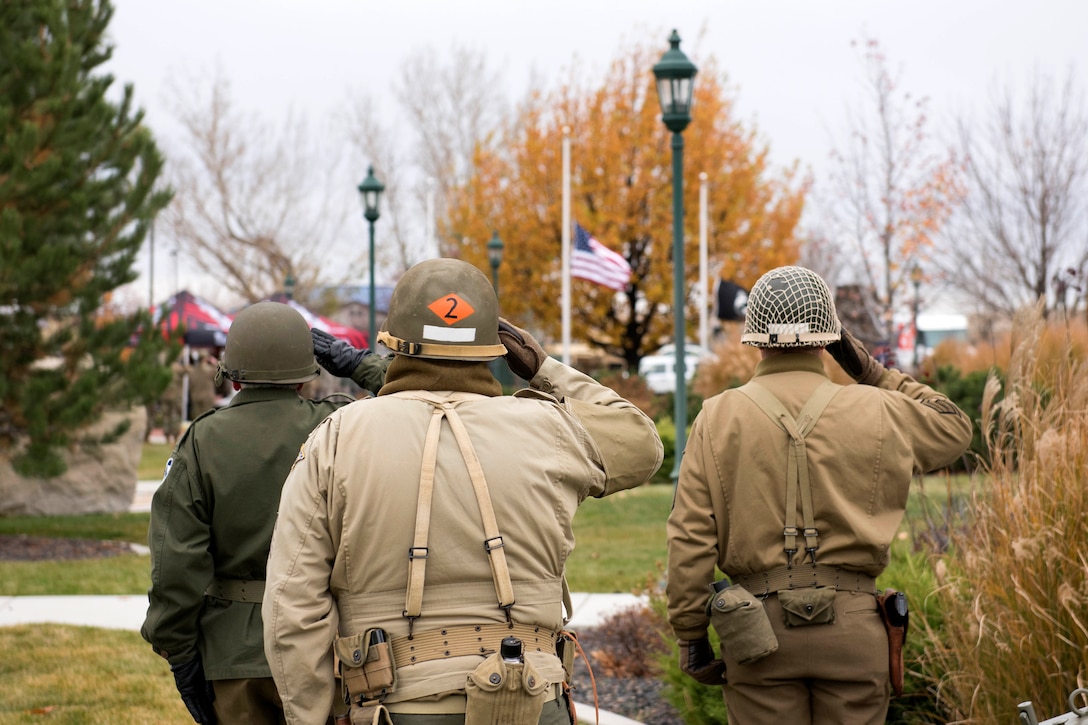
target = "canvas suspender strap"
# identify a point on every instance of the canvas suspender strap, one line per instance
(797, 474)
(417, 555)
(493, 544)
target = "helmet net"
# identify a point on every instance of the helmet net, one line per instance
(790, 307)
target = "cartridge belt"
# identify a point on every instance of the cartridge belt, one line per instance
(237, 590)
(804, 576)
(480, 639)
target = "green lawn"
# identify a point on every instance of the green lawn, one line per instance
(620, 542)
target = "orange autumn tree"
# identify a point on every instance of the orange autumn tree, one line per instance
(621, 192)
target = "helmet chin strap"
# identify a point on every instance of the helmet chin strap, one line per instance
(476, 353)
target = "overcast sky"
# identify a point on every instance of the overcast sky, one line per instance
(790, 61)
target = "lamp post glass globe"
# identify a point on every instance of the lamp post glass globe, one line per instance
(675, 76)
(370, 193)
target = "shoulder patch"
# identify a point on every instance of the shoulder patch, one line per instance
(942, 405)
(300, 457)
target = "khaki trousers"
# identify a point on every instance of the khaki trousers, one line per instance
(822, 674)
(251, 701)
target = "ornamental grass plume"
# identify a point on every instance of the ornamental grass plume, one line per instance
(1015, 601)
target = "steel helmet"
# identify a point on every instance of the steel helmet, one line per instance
(269, 342)
(443, 309)
(790, 307)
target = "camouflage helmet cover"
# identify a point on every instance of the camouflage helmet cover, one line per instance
(269, 342)
(443, 309)
(790, 307)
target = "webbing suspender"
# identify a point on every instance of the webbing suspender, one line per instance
(797, 480)
(493, 544)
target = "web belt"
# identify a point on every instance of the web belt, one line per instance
(237, 590)
(480, 639)
(803, 577)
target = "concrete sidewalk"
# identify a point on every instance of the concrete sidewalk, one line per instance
(126, 611)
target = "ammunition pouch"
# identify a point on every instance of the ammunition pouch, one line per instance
(803, 607)
(896, 617)
(565, 645)
(741, 621)
(366, 713)
(504, 693)
(366, 665)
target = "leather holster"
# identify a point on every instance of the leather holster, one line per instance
(896, 618)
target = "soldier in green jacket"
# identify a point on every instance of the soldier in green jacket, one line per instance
(213, 515)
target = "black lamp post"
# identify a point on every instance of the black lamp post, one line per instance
(494, 258)
(371, 192)
(675, 75)
(289, 286)
(916, 280)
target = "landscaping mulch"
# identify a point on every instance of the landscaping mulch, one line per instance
(20, 547)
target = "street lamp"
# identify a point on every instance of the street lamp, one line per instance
(494, 257)
(675, 75)
(370, 190)
(916, 280)
(289, 286)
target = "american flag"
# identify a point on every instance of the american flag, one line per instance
(597, 263)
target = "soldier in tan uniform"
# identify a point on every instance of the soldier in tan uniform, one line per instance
(212, 516)
(422, 529)
(794, 488)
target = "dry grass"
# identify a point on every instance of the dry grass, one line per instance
(1015, 586)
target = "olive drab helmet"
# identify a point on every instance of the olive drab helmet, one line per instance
(269, 342)
(790, 307)
(443, 309)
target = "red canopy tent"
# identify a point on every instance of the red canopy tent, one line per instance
(205, 324)
(354, 337)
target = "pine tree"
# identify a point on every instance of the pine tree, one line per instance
(77, 196)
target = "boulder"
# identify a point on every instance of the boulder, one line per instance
(99, 479)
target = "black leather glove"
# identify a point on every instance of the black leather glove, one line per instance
(855, 359)
(335, 355)
(697, 662)
(196, 692)
(524, 355)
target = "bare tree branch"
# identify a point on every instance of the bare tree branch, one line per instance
(253, 204)
(1021, 234)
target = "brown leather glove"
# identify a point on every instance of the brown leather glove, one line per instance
(524, 355)
(855, 359)
(697, 661)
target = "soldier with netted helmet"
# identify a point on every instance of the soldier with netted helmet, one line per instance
(793, 487)
(422, 536)
(213, 514)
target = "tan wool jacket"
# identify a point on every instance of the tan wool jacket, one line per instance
(339, 559)
(729, 509)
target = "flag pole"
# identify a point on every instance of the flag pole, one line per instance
(704, 321)
(566, 245)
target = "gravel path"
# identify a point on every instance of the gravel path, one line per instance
(638, 698)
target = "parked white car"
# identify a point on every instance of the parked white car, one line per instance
(659, 369)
